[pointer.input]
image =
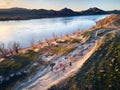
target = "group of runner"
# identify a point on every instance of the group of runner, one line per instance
(63, 64)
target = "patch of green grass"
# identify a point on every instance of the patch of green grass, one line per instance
(73, 40)
(87, 34)
(62, 49)
(117, 23)
(109, 36)
(10, 66)
(30, 54)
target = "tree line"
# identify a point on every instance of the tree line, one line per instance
(11, 49)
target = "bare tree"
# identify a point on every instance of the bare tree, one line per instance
(40, 43)
(3, 50)
(33, 45)
(47, 41)
(79, 31)
(10, 49)
(66, 35)
(54, 37)
(16, 47)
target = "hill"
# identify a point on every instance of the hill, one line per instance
(109, 21)
(102, 70)
(22, 13)
(94, 11)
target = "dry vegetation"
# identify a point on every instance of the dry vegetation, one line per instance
(110, 20)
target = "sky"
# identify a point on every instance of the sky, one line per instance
(76, 5)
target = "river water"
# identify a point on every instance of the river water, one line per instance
(25, 31)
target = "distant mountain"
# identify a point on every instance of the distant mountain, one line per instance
(13, 9)
(18, 9)
(93, 11)
(67, 11)
(114, 12)
(23, 13)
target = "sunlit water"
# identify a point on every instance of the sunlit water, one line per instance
(24, 31)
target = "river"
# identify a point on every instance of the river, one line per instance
(25, 31)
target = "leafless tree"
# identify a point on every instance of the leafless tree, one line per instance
(10, 49)
(54, 37)
(40, 43)
(3, 50)
(33, 45)
(79, 31)
(47, 41)
(16, 47)
(66, 35)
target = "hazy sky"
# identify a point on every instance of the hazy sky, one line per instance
(59, 4)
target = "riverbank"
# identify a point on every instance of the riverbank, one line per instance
(41, 29)
(36, 58)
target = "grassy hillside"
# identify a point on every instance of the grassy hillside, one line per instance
(100, 72)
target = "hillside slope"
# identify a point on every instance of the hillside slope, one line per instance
(110, 20)
(102, 70)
